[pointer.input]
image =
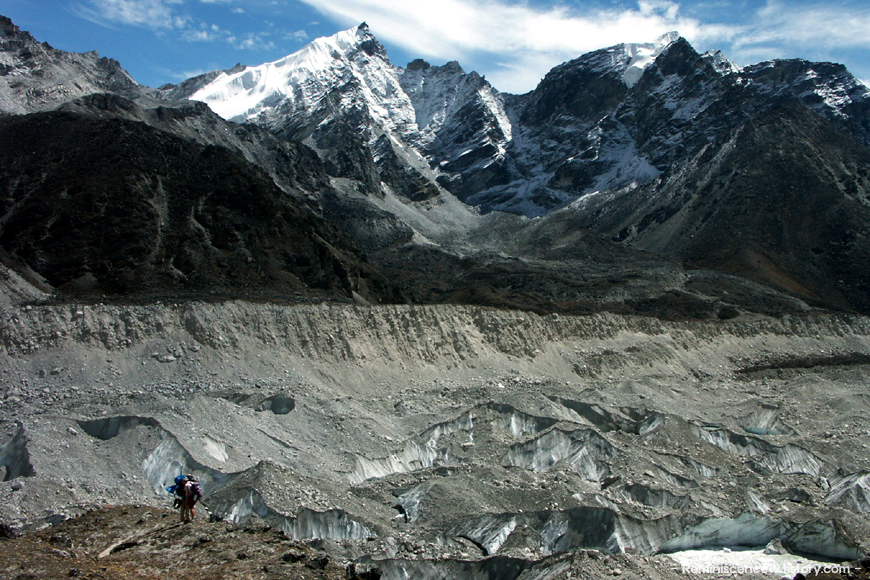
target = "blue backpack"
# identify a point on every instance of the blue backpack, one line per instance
(178, 488)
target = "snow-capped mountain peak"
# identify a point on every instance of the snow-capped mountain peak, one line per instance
(320, 53)
(300, 81)
(425, 115)
(636, 57)
(591, 125)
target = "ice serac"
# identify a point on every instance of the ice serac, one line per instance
(15, 458)
(417, 454)
(584, 450)
(851, 491)
(307, 524)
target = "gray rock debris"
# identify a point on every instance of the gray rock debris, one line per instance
(472, 453)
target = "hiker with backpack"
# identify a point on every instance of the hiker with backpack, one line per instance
(192, 494)
(188, 492)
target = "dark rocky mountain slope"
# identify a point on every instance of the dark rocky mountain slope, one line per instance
(687, 155)
(113, 206)
(782, 200)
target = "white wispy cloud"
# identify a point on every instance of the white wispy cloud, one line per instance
(205, 33)
(817, 32)
(525, 40)
(156, 14)
(298, 35)
(824, 25)
(163, 15)
(453, 26)
(214, 33)
(199, 36)
(251, 41)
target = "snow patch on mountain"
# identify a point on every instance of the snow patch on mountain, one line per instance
(496, 105)
(432, 92)
(350, 66)
(834, 95)
(637, 57)
(683, 107)
(721, 63)
(628, 167)
(613, 153)
(441, 97)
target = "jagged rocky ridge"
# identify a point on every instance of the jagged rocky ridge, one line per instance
(603, 121)
(36, 77)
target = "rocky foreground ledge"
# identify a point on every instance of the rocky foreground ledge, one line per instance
(135, 542)
(440, 441)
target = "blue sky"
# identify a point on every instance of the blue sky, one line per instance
(513, 43)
